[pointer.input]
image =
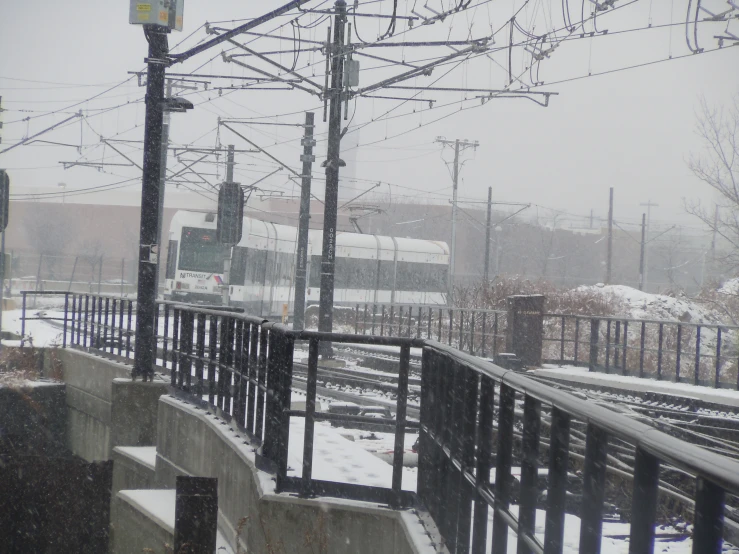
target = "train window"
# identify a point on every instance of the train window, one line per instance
(256, 266)
(315, 272)
(238, 266)
(286, 263)
(418, 276)
(355, 273)
(171, 260)
(200, 251)
(387, 274)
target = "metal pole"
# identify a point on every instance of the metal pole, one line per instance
(304, 221)
(643, 246)
(487, 238)
(609, 261)
(332, 164)
(649, 205)
(144, 353)
(453, 246)
(2, 283)
(227, 259)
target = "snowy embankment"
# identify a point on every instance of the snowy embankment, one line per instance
(632, 303)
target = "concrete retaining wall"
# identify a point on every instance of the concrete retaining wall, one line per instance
(191, 442)
(104, 407)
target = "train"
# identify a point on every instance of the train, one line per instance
(369, 268)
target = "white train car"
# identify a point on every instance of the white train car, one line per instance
(194, 271)
(369, 268)
(263, 267)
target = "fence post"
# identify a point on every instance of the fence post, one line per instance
(100, 273)
(525, 333)
(594, 333)
(196, 514)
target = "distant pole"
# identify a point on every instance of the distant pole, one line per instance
(453, 246)
(227, 259)
(649, 205)
(487, 238)
(459, 145)
(643, 246)
(609, 261)
(332, 164)
(591, 218)
(304, 222)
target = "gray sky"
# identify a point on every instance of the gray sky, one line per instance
(632, 130)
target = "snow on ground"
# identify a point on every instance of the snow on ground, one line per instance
(633, 303)
(582, 375)
(615, 537)
(40, 333)
(338, 459)
(730, 287)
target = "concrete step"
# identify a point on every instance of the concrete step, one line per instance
(133, 467)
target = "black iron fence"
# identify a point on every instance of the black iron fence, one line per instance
(479, 332)
(680, 351)
(487, 435)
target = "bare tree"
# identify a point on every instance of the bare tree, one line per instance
(718, 167)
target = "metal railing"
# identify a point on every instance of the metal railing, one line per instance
(696, 353)
(473, 416)
(479, 332)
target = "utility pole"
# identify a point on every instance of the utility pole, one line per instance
(487, 238)
(459, 146)
(304, 222)
(227, 258)
(649, 205)
(335, 52)
(591, 218)
(145, 345)
(609, 261)
(643, 246)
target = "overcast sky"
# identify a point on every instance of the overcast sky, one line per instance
(632, 130)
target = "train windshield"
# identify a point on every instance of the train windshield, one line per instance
(199, 250)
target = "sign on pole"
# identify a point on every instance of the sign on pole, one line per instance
(230, 214)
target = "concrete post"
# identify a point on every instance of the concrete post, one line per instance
(196, 515)
(525, 332)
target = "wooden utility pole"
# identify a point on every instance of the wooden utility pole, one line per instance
(643, 247)
(487, 238)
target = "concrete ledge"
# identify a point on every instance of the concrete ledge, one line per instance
(133, 529)
(133, 467)
(191, 442)
(145, 523)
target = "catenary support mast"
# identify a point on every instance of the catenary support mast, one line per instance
(145, 345)
(332, 164)
(304, 222)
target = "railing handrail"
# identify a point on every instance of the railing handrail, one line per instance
(690, 458)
